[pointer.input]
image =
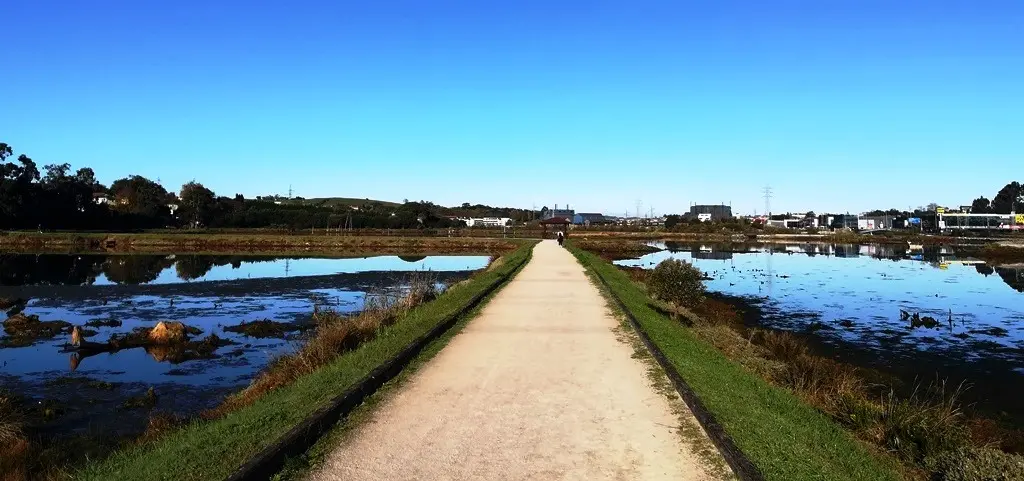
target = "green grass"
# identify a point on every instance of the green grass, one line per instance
(786, 438)
(211, 450)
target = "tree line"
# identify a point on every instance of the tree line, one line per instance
(58, 198)
(1009, 199)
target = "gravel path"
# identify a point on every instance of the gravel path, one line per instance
(538, 387)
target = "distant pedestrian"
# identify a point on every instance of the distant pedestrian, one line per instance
(561, 238)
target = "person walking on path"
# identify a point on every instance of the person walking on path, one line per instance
(561, 238)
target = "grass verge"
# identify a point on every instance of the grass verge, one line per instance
(783, 436)
(208, 450)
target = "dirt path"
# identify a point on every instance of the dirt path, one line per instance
(538, 387)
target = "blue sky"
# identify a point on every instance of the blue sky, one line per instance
(838, 105)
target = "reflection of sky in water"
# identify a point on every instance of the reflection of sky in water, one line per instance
(316, 267)
(798, 289)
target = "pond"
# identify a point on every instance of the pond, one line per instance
(914, 314)
(112, 295)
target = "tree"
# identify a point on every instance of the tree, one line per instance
(1009, 199)
(981, 205)
(677, 282)
(672, 220)
(197, 203)
(138, 195)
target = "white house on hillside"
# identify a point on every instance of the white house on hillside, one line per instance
(486, 221)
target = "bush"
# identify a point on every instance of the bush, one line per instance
(926, 424)
(977, 464)
(677, 282)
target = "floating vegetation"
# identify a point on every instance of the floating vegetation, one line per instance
(111, 322)
(26, 329)
(265, 328)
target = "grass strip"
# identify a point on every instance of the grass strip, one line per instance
(212, 450)
(786, 438)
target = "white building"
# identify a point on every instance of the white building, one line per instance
(486, 221)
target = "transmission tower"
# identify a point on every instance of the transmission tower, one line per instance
(639, 204)
(768, 201)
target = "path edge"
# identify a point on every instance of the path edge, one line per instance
(268, 462)
(741, 465)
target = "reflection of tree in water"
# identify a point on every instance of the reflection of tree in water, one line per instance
(135, 269)
(196, 267)
(1013, 277)
(412, 258)
(984, 269)
(52, 269)
(193, 267)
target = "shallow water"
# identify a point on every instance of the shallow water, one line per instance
(207, 292)
(849, 298)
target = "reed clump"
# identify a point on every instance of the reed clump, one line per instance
(335, 333)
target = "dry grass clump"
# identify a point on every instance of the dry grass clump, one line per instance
(14, 448)
(335, 334)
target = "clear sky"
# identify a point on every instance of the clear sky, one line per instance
(839, 105)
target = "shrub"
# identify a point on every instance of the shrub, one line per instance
(677, 282)
(926, 424)
(10, 420)
(975, 464)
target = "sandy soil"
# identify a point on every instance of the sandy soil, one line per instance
(538, 387)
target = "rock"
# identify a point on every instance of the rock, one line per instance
(168, 332)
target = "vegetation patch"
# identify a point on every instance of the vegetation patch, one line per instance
(104, 323)
(615, 249)
(26, 329)
(265, 328)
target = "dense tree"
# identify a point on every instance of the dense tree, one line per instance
(198, 204)
(981, 205)
(138, 195)
(1009, 199)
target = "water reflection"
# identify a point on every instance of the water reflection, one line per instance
(56, 269)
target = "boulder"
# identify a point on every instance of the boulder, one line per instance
(168, 332)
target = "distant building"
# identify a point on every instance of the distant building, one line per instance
(717, 212)
(556, 212)
(885, 222)
(591, 219)
(838, 221)
(486, 221)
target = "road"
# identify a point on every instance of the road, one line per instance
(540, 386)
